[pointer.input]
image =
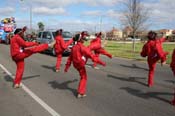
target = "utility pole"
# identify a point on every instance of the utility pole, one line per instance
(30, 14)
(100, 23)
(31, 18)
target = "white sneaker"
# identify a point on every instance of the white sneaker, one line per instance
(81, 95)
(16, 86)
(57, 70)
(96, 68)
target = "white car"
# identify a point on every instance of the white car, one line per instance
(132, 39)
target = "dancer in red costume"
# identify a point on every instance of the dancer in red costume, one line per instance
(96, 46)
(154, 52)
(172, 65)
(21, 49)
(78, 56)
(60, 46)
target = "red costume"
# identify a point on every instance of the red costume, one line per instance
(60, 46)
(19, 52)
(172, 65)
(95, 45)
(154, 52)
(78, 54)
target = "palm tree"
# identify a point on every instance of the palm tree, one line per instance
(40, 26)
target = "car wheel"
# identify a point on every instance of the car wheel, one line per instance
(7, 41)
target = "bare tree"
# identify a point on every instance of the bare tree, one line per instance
(135, 15)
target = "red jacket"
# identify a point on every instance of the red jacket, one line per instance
(172, 65)
(60, 45)
(78, 54)
(153, 49)
(17, 43)
(95, 44)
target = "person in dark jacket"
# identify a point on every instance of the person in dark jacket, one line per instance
(21, 49)
(78, 56)
(154, 52)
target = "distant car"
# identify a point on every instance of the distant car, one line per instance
(132, 39)
(49, 36)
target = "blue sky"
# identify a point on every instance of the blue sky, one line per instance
(84, 14)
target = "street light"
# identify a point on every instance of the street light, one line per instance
(30, 9)
(31, 18)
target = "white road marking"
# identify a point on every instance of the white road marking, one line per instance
(33, 95)
(89, 66)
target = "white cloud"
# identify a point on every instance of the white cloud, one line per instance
(48, 11)
(7, 11)
(162, 12)
(101, 2)
(92, 13)
(113, 14)
(56, 3)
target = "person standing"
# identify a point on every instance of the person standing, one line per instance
(60, 46)
(172, 65)
(154, 52)
(78, 56)
(96, 46)
(21, 49)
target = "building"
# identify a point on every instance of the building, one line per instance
(127, 32)
(165, 32)
(114, 34)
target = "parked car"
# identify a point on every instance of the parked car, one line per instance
(49, 36)
(132, 39)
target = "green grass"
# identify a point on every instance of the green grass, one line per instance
(124, 50)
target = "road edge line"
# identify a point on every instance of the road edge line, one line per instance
(33, 95)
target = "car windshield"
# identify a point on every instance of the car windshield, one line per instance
(54, 34)
(65, 34)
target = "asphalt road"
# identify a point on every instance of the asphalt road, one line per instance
(119, 89)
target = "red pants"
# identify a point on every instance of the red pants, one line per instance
(58, 63)
(96, 55)
(101, 51)
(152, 66)
(83, 80)
(19, 60)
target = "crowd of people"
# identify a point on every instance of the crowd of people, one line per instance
(21, 49)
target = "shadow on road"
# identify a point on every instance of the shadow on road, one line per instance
(147, 95)
(29, 77)
(64, 85)
(129, 79)
(170, 81)
(134, 66)
(9, 78)
(49, 67)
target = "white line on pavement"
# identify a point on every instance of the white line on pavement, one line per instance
(33, 95)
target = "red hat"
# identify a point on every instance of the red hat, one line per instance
(98, 34)
(152, 35)
(59, 32)
(19, 30)
(83, 35)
